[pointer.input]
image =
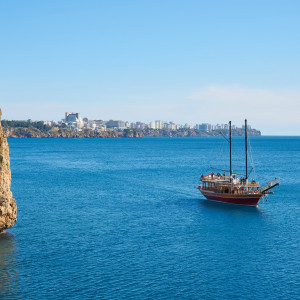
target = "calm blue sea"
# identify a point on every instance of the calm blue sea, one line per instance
(120, 218)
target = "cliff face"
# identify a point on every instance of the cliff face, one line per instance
(8, 207)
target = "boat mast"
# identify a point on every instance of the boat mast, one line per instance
(246, 143)
(230, 148)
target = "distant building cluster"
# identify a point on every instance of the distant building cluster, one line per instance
(209, 127)
(74, 121)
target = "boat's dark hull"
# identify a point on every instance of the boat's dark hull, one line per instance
(251, 200)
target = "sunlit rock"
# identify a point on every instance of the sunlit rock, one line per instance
(8, 207)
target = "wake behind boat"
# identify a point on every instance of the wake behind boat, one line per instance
(234, 189)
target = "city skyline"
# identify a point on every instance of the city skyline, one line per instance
(73, 125)
(193, 124)
(173, 60)
(74, 120)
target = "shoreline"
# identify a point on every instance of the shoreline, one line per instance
(121, 137)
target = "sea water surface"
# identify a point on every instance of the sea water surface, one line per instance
(120, 218)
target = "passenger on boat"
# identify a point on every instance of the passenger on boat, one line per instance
(235, 180)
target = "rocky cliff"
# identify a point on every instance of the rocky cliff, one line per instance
(8, 207)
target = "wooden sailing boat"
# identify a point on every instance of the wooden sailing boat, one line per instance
(233, 189)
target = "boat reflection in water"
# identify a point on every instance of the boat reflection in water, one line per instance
(232, 188)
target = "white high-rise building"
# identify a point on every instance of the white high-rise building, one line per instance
(159, 124)
(74, 120)
(152, 125)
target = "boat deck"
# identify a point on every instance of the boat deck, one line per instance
(229, 185)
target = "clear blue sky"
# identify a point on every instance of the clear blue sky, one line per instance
(183, 61)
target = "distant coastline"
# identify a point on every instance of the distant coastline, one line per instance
(20, 129)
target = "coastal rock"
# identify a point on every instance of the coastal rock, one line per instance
(8, 207)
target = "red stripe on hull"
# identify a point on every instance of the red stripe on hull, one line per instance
(244, 200)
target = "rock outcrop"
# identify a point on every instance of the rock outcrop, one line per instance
(8, 207)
